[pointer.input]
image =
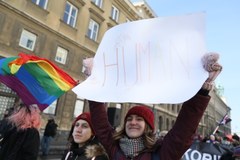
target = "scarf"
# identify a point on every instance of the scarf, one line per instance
(131, 147)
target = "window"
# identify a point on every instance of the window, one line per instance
(93, 30)
(98, 3)
(70, 14)
(61, 55)
(160, 123)
(51, 109)
(41, 3)
(115, 13)
(27, 40)
(78, 106)
(167, 124)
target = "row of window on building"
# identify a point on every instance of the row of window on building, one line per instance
(28, 39)
(71, 13)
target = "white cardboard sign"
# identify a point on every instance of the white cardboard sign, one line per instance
(149, 61)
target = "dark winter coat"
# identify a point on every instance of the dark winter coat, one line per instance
(91, 150)
(18, 145)
(172, 147)
(51, 129)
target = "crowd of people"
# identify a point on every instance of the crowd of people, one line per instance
(224, 139)
(91, 140)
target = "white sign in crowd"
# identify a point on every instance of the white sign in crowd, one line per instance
(154, 60)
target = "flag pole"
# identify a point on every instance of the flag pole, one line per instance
(215, 129)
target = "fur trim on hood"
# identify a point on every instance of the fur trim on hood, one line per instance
(95, 150)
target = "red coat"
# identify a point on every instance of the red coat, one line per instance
(175, 143)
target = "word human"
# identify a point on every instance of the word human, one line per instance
(143, 64)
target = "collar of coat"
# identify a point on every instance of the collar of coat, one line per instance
(94, 150)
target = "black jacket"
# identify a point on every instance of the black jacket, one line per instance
(90, 150)
(51, 128)
(18, 145)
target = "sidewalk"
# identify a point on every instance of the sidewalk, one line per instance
(55, 153)
(50, 157)
(57, 147)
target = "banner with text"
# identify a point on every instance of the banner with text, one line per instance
(205, 151)
(154, 60)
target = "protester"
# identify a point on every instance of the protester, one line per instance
(235, 139)
(236, 152)
(162, 134)
(83, 143)
(232, 155)
(49, 133)
(227, 156)
(212, 139)
(19, 134)
(137, 140)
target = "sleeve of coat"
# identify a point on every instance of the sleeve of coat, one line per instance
(31, 145)
(179, 138)
(101, 125)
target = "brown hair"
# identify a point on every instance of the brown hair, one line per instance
(148, 136)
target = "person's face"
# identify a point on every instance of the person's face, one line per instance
(82, 132)
(135, 126)
(212, 137)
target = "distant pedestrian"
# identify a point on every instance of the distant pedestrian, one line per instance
(49, 133)
(83, 143)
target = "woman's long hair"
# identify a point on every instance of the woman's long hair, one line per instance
(72, 144)
(26, 117)
(148, 136)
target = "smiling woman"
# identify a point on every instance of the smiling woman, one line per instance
(137, 140)
(83, 143)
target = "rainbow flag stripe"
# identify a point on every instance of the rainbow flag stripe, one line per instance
(36, 80)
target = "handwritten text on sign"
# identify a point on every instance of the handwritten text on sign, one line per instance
(148, 61)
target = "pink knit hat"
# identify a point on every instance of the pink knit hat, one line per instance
(87, 117)
(144, 112)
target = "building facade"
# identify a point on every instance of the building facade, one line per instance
(68, 31)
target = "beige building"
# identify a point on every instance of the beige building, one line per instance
(68, 31)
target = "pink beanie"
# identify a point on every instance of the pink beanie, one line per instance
(87, 117)
(144, 112)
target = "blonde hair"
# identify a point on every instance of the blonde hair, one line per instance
(26, 117)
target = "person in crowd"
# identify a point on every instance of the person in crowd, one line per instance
(236, 152)
(232, 155)
(227, 156)
(212, 139)
(162, 134)
(49, 133)
(19, 134)
(83, 142)
(137, 139)
(226, 141)
(218, 139)
(235, 139)
(198, 138)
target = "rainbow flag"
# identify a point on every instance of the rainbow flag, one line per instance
(35, 80)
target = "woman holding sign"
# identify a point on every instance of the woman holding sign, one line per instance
(137, 141)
